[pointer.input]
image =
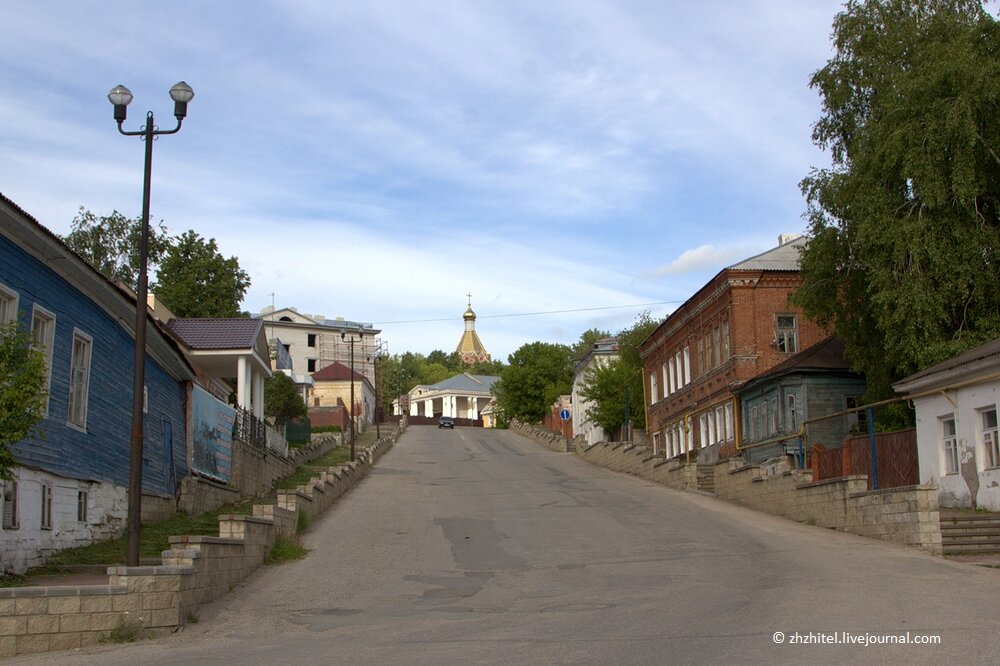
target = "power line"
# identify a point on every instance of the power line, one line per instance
(528, 314)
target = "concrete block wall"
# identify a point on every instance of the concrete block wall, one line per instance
(639, 461)
(907, 515)
(552, 441)
(153, 600)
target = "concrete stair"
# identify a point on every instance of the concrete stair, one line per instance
(706, 478)
(970, 532)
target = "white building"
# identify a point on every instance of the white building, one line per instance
(462, 397)
(603, 352)
(314, 342)
(957, 444)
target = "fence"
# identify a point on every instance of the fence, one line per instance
(895, 458)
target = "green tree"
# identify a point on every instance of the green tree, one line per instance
(536, 375)
(282, 401)
(611, 386)
(195, 280)
(22, 390)
(110, 243)
(905, 236)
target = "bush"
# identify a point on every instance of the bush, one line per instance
(329, 428)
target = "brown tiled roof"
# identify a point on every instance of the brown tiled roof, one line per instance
(223, 333)
(336, 372)
(827, 354)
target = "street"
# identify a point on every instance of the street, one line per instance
(473, 546)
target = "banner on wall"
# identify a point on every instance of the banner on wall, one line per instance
(212, 424)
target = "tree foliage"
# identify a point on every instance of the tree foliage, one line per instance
(905, 235)
(22, 390)
(615, 389)
(282, 401)
(195, 280)
(536, 375)
(110, 243)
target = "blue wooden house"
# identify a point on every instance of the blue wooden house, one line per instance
(70, 486)
(816, 382)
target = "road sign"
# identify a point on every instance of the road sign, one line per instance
(564, 415)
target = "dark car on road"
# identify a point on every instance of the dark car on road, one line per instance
(446, 422)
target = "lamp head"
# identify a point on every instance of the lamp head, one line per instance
(181, 93)
(121, 97)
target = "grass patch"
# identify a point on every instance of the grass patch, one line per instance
(302, 523)
(303, 473)
(329, 428)
(285, 550)
(153, 540)
(13, 580)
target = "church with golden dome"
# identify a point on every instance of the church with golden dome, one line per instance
(470, 348)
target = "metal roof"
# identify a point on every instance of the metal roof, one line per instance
(222, 333)
(782, 258)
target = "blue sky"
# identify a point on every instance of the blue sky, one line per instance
(379, 160)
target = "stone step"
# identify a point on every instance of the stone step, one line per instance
(961, 532)
(967, 549)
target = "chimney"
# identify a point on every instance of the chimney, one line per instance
(785, 239)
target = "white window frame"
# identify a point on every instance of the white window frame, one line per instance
(726, 351)
(673, 374)
(46, 512)
(949, 444)
(791, 415)
(656, 443)
(730, 435)
(77, 402)
(687, 366)
(786, 338)
(666, 382)
(82, 505)
(8, 304)
(989, 436)
(654, 390)
(8, 505)
(38, 313)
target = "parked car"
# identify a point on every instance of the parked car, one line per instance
(446, 422)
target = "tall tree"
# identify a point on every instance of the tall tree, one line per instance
(110, 243)
(587, 340)
(905, 227)
(22, 390)
(537, 374)
(615, 389)
(195, 280)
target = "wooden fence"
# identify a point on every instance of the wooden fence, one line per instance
(895, 455)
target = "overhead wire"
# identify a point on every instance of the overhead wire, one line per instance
(529, 314)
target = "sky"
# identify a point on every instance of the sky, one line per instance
(570, 163)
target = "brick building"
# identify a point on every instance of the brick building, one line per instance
(735, 327)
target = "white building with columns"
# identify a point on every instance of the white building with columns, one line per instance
(462, 397)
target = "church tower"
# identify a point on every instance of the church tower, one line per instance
(470, 348)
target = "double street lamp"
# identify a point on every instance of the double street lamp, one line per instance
(120, 97)
(352, 340)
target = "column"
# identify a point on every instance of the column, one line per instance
(243, 382)
(258, 394)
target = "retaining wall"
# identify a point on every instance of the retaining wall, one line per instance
(153, 600)
(907, 515)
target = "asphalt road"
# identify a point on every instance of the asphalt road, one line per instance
(473, 546)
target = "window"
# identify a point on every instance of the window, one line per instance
(654, 391)
(717, 349)
(665, 379)
(786, 336)
(790, 413)
(725, 340)
(709, 361)
(753, 422)
(950, 442)
(673, 375)
(687, 366)
(9, 498)
(8, 305)
(679, 364)
(775, 421)
(79, 380)
(310, 365)
(43, 331)
(311, 340)
(656, 443)
(46, 506)
(990, 442)
(701, 357)
(856, 421)
(730, 434)
(81, 506)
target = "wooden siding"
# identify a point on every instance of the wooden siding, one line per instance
(102, 452)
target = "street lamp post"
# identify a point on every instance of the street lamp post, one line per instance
(381, 349)
(351, 341)
(120, 97)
